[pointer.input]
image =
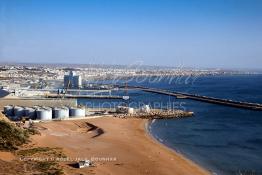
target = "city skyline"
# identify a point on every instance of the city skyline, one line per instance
(217, 34)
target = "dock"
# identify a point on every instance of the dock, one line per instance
(84, 96)
(225, 102)
(30, 102)
(157, 114)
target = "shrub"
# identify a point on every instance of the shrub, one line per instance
(11, 136)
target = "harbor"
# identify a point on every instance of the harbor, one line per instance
(72, 114)
(131, 87)
(158, 114)
(73, 88)
(85, 96)
(61, 103)
(49, 113)
(226, 102)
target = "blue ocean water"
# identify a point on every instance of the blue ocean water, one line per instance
(224, 140)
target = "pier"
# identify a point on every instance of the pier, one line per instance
(226, 102)
(84, 96)
(158, 114)
(71, 93)
(180, 95)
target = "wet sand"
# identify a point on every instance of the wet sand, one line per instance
(117, 146)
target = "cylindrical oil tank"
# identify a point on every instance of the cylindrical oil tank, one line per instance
(14, 118)
(61, 113)
(145, 109)
(77, 112)
(36, 107)
(9, 110)
(66, 112)
(19, 111)
(30, 112)
(130, 111)
(44, 114)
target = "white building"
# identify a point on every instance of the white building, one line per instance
(72, 80)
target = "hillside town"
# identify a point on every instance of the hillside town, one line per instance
(43, 76)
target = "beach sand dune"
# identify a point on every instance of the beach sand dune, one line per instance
(117, 146)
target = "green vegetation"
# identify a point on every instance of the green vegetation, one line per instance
(49, 152)
(48, 168)
(11, 136)
(32, 131)
(33, 151)
(44, 167)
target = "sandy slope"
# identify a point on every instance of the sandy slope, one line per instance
(124, 141)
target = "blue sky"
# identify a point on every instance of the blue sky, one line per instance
(190, 33)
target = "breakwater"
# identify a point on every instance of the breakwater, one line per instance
(226, 102)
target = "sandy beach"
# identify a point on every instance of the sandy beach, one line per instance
(117, 146)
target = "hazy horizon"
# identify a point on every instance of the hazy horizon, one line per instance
(75, 65)
(198, 34)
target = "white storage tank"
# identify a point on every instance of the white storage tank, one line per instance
(61, 113)
(130, 111)
(77, 112)
(9, 110)
(19, 111)
(14, 118)
(44, 114)
(145, 109)
(66, 112)
(30, 112)
(36, 107)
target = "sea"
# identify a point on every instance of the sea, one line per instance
(222, 139)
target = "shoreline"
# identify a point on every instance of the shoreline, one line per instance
(125, 139)
(163, 146)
